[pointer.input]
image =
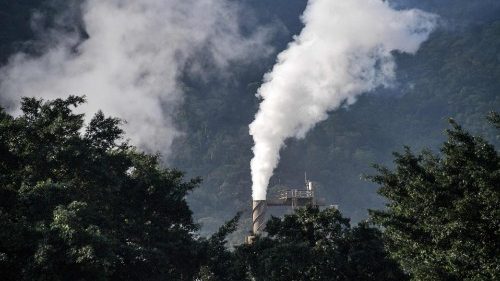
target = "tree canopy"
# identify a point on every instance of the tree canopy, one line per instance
(78, 202)
(442, 220)
(313, 244)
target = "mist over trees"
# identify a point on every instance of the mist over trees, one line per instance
(453, 75)
(78, 202)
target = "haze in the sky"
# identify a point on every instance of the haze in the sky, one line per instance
(129, 66)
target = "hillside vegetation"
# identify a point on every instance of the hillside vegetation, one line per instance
(79, 203)
(454, 74)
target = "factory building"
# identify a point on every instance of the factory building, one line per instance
(293, 198)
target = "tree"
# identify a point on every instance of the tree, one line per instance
(442, 220)
(219, 263)
(318, 245)
(79, 203)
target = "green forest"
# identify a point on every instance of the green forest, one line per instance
(79, 203)
(414, 169)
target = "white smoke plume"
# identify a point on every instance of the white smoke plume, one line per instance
(343, 51)
(131, 62)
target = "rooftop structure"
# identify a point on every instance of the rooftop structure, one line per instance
(286, 197)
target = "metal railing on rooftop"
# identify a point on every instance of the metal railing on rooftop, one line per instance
(294, 193)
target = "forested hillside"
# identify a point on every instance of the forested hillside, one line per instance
(454, 74)
(78, 202)
(414, 168)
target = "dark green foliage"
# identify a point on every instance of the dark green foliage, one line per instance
(443, 219)
(79, 203)
(319, 245)
(220, 264)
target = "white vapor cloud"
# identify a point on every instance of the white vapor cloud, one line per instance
(343, 51)
(130, 64)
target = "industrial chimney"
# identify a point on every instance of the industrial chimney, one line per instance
(258, 216)
(288, 197)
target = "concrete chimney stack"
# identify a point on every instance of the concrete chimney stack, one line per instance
(258, 216)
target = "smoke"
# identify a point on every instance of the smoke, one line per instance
(343, 51)
(130, 64)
